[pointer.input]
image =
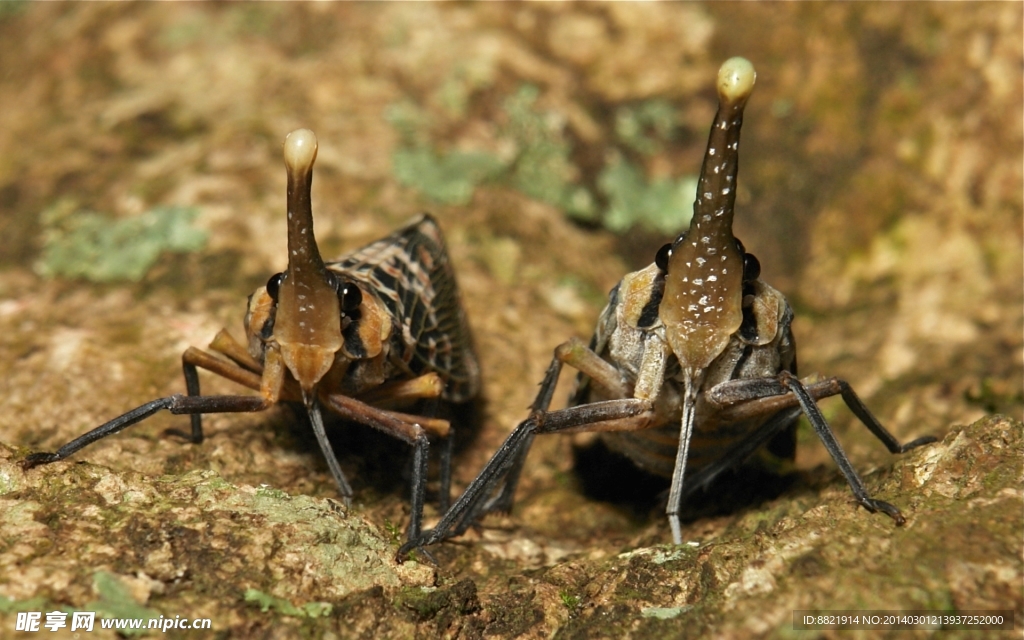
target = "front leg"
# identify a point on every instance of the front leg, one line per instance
(828, 438)
(619, 415)
(783, 397)
(578, 355)
(752, 397)
(176, 404)
(407, 428)
(194, 359)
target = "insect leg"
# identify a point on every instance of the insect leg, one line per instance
(821, 427)
(410, 429)
(743, 450)
(616, 415)
(751, 397)
(578, 355)
(193, 358)
(176, 404)
(429, 385)
(224, 343)
(502, 502)
(316, 419)
(626, 415)
(453, 522)
(860, 410)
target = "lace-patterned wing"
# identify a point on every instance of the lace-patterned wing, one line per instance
(412, 274)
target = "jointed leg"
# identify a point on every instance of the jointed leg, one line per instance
(413, 429)
(502, 502)
(176, 404)
(404, 427)
(400, 392)
(225, 344)
(860, 410)
(194, 359)
(832, 445)
(454, 521)
(579, 356)
(626, 415)
(193, 403)
(748, 398)
(785, 394)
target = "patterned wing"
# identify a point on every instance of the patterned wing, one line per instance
(411, 273)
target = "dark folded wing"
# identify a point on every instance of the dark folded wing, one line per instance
(411, 273)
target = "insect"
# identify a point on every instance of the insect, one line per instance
(692, 367)
(381, 327)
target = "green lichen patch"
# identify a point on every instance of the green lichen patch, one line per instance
(268, 602)
(662, 613)
(645, 127)
(446, 179)
(538, 161)
(10, 605)
(542, 168)
(116, 601)
(664, 206)
(96, 247)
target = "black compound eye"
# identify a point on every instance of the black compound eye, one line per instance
(350, 296)
(274, 285)
(751, 267)
(661, 258)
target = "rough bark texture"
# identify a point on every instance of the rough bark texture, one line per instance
(880, 186)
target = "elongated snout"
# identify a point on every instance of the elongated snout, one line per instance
(308, 323)
(701, 307)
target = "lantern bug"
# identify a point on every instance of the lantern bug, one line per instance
(692, 366)
(380, 327)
